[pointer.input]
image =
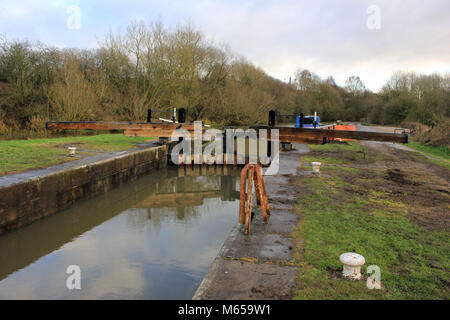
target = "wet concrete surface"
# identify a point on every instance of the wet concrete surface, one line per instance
(242, 280)
(260, 265)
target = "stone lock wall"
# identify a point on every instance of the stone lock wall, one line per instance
(26, 201)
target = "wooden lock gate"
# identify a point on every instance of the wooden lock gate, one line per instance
(252, 174)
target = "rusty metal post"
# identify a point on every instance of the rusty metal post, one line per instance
(252, 174)
(248, 209)
(264, 193)
(257, 189)
(242, 195)
(261, 192)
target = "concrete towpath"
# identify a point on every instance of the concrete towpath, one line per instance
(260, 265)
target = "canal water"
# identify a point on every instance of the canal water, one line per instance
(153, 238)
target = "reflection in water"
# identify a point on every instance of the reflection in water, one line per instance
(150, 239)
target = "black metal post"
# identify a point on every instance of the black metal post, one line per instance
(181, 115)
(149, 115)
(302, 119)
(271, 124)
(271, 118)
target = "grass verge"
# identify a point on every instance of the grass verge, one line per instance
(368, 211)
(440, 152)
(22, 155)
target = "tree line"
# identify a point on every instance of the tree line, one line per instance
(153, 66)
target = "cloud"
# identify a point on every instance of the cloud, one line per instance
(333, 39)
(325, 36)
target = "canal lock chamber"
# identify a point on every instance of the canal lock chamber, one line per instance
(153, 238)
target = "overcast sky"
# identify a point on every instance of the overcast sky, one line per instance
(369, 38)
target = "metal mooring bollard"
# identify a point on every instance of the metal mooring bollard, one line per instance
(316, 167)
(352, 265)
(72, 150)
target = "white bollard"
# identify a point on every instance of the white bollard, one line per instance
(352, 265)
(72, 150)
(316, 167)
